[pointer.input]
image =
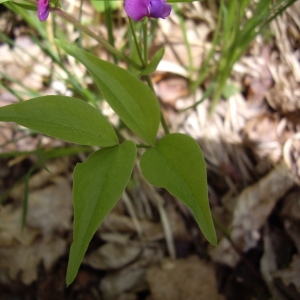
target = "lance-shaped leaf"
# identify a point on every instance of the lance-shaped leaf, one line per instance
(64, 118)
(98, 184)
(129, 97)
(154, 62)
(176, 163)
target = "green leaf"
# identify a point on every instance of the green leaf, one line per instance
(176, 163)
(25, 6)
(2, 1)
(154, 62)
(64, 118)
(98, 184)
(128, 96)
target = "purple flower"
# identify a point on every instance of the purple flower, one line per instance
(43, 9)
(138, 9)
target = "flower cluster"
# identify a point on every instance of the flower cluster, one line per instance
(43, 10)
(138, 9)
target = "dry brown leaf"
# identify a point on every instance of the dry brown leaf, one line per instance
(291, 154)
(6, 135)
(41, 178)
(113, 256)
(119, 223)
(291, 217)
(252, 209)
(289, 279)
(132, 278)
(26, 259)
(170, 88)
(291, 206)
(126, 280)
(50, 208)
(187, 279)
(268, 265)
(11, 232)
(49, 212)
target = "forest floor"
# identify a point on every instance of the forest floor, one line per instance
(149, 246)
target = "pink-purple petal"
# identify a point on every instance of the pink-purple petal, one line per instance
(166, 10)
(43, 10)
(137, 9)
(156, 8)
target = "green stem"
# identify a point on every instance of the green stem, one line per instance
(162, 119)
(137, 45)
(164, 124)
(109, 27)
(145, 61)
(90, 33)
(145, 41)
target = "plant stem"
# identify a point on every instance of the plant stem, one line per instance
(109, 27)
(138, 48)
(145, 41)
(162, 119)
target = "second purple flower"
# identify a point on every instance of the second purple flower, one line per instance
(138, 9)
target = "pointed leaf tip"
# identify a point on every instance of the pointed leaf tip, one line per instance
(177, 164)
(98, 184)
